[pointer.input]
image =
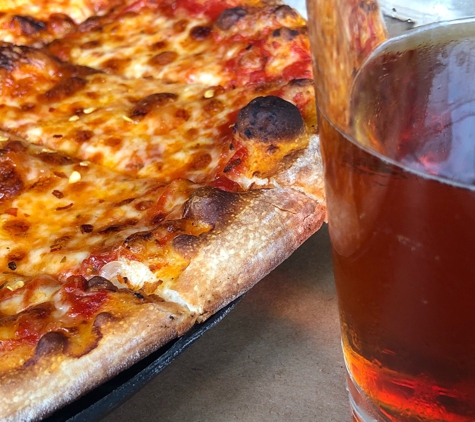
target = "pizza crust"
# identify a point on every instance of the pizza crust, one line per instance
(269, 226)
(45, 384)
(306, 172)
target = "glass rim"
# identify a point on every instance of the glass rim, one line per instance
(382, 47)
(388, 160)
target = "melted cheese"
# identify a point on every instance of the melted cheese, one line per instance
(163, 144)
(32, 292)
(127, 273)
(56, 224)
(149, 43)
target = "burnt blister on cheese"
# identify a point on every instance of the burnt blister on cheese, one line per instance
(229, 17)
(150, 103)
(100, 283)
(270, 119)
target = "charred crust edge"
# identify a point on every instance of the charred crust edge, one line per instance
(269, 119)
(49, 343)
(210, 205)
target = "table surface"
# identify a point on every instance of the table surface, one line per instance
(275, 357)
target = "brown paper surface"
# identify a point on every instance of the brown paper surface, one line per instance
(275, 357)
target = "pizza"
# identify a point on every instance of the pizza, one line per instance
(157, 159)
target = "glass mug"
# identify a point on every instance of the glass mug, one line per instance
(397, 128)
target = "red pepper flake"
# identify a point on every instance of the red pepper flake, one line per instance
(86, 228)
(65, 207)
(12, 211)
(58, 194)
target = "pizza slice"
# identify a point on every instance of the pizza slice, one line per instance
(147, 128)
(215, 43)
(134, 206)
(61, 339)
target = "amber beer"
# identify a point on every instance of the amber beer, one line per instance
(401, 199)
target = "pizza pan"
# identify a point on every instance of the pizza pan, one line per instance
(104, 399)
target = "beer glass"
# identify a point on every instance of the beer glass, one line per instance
(395, 87)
